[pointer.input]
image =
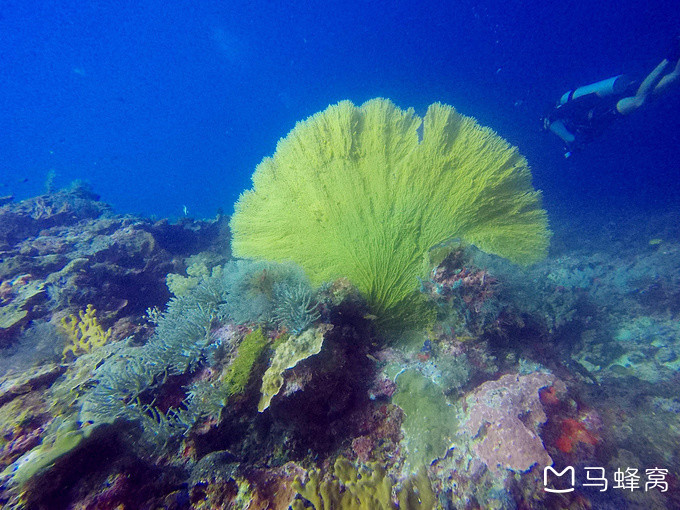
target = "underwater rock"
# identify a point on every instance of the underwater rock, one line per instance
(216, 466)
(324, 399)
(17, 298)
(15, 384)
(273, 488)
(99, 469)
(488, 442)
(25, 219)
(72, 250)
(645, 348)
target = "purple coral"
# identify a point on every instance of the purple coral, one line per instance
(382, 388)
(504, 418)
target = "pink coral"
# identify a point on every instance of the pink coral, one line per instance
(504, 418)
(472, 284)
(363, 446)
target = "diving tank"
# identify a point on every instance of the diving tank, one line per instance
(615, 85)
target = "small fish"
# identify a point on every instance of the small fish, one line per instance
(655, 241)
(186, 210)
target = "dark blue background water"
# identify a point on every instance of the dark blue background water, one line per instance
(162, 105)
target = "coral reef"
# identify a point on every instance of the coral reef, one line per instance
(179, 285)
(65, 250)
(64, 438)
(249, 351)
(465, 295)
(296, 308)
(644, 348)
(573, 361)
(177, 347)
(258, 290)
(573, 432)
(16, 298)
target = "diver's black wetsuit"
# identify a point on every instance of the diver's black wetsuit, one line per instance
(586, 117)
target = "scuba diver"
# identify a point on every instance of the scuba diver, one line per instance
(584, 113)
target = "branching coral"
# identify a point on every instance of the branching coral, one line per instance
(84, 332)
(354, 191)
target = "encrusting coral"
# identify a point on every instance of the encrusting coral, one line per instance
(357, 192)
(287, 355)
(366, 488)
(249, 351)
(429, 423)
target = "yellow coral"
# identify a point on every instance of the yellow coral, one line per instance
(84, 332)
(180, 285)
(365, 488)
(288, 354)
(355, 191)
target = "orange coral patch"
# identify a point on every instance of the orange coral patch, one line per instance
(549, 396)
(574, 432)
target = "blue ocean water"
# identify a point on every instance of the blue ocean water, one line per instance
(167, 107)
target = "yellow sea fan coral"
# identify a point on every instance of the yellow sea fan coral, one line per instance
(354, 191)
(84, 332)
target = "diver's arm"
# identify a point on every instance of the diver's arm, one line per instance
(558, 128)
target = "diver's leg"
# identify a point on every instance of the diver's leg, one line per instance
(668, 79)
(630, 104)
(652, 79)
